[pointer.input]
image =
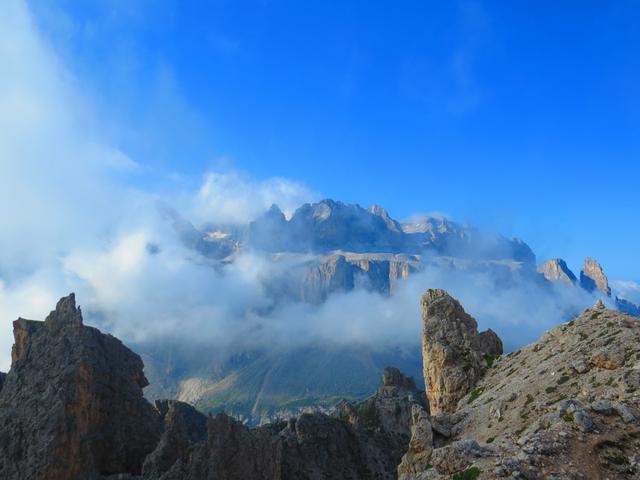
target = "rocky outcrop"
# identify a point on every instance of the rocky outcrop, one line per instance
(566, 406)
(2, 377)
(420, 446)
(385, 421)
(556, 270)
(361, 440)
(72, 406)
(184, 428)
(592, 277)
(454, 354)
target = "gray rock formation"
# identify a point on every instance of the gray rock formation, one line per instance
(184, 428)
(72, 404)
(362, 440)
(555, 270)
(2, 377)
(385, 421)
(329, 225)
(592, 277)
(418, 456)
(454, 354)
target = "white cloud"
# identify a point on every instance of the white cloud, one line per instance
(233, 198)
(70, 222)
(627, 289)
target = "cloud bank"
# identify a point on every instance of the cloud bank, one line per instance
(72, 222)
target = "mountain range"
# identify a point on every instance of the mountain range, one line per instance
(331, 248)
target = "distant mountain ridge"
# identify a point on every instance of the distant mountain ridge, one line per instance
(327, 248)
(329, 225)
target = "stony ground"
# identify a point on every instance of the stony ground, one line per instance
(565, 407)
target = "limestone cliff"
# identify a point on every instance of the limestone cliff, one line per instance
(592, 277)
(555, 270)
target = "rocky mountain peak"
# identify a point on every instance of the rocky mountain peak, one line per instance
(275, 212)
(391, 224)
(556, 269)
(592, 277)
(454, 354)
(65, 312)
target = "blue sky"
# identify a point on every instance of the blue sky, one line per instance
(522, 117)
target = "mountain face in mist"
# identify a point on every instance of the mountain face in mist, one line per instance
(328, 225)
(331, 246)
(592, 279)
(329, 250)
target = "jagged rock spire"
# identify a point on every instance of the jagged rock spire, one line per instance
(66, 312)
(453, 352)
(592, 277)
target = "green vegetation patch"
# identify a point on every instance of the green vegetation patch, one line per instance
(469, 474)
(490, 359)
(370, 418)
(568, 417)
(529, 399)
(563, 379)
(475, 394)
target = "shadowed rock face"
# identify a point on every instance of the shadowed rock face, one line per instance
(454, 354)
(361, 440)
(592, 277)
(72, 404)
(184, 427)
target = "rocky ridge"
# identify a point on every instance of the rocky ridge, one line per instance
(565, 407)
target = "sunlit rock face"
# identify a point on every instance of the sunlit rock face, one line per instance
(592, 277)
(454, 354)
(556, 270)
